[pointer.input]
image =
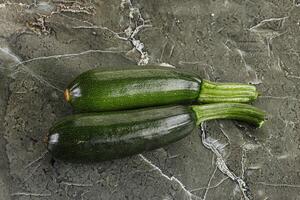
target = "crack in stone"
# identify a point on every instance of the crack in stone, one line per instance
(163, 51)
(164, 48)
(36, 160)
(248, 68)
(65, 56)
(226, 46)
(117, 35)
(265, 28)
(200, 63)
(224, 133)
(279, 97)
(279, 185)
(31, 194)
(293, 76)
(76, 184)
(243, 161)
(6, 51)
(269, 29)
(37, 77)
(211, 187)
(191, 62)
(268, 150)
(31, 173)
(83, 193)
(131, 32)
(221, 164)
(14, 68)
(5, 142)
(209, 182)
(172, 178)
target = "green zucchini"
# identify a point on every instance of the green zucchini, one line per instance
(128, 88)
(90, 137)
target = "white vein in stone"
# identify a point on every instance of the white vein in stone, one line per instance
(191, 62)
(248, 68)
(59, 56)
(209, 182)
(256, 28)
(211, 187)
(243, 162)
(138, 45)
(36, 160)
(293, 76)
(172, 178)
(117, 35)
(31, 173)
(65, 56)
(38, 77)
(200, 63)
(7, 51)
(279, 97)
(31, 194)
(76, 184)
(278, 185)
(221, 164)
(131, 31)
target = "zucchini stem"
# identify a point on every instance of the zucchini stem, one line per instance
(236, 111)
(226, 92)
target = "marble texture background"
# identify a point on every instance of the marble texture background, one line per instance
(45, 44)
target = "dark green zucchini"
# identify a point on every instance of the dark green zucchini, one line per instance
(121, 89)
(110, 135)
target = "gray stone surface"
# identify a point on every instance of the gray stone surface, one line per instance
(44, 44)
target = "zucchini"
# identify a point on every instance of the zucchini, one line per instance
(128, 88)
(90, 137)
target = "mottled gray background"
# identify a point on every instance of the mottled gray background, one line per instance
(44, 44)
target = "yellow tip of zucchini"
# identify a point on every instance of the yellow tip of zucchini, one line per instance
(67, 95)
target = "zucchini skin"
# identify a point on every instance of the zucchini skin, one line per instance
(128, 88)
(91, 137)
